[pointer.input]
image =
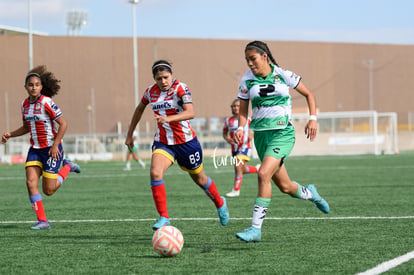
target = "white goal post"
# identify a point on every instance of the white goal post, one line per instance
(348, 133)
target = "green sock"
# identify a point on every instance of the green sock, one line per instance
(262, 201)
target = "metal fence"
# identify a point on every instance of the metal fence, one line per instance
(365, 132)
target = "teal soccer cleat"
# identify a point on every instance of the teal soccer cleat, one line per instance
(251, 234)
(318, 200)
(74, 167)
(41, 225)
(223, 213)
(162, 221)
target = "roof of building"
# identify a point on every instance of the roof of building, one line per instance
(9, 30)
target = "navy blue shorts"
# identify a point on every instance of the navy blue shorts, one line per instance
(189, 155)
(41, 158)
(242, 154)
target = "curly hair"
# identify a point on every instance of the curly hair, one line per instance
(50, 83)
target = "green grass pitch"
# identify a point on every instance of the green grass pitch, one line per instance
(101, 221)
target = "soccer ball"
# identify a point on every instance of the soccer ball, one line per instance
(168, 241)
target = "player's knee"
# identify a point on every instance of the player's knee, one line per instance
(263, 176)
(156, 173)
(48, 191)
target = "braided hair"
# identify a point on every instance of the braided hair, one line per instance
(50, 83)
(261, 47)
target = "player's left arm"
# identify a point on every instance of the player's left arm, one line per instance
(187, 113)
(312, 126)
(54, 150)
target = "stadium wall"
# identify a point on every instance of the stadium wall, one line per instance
(102, 68)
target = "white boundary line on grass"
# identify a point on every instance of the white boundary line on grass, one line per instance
(213, 219)
(385, 266)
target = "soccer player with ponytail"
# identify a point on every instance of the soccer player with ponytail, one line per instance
(43, 119)
(267, 86)
(174, 139)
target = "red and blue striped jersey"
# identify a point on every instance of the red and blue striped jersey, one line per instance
(40, 116)
(167, 103)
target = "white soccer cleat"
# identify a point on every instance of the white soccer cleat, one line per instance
(258, 166)
(141, 163)
(233, 193)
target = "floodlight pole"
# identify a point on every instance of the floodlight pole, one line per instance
(30, 35)
(135, 56)
(135, 50)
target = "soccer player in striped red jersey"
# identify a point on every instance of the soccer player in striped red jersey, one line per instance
(43, 119)
(240, 152)
(174, 139)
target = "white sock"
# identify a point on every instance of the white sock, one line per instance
(259, 213)
(303, 192)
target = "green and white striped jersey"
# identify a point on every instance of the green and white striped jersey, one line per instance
(271, 101)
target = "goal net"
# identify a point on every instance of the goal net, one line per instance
(343, 133)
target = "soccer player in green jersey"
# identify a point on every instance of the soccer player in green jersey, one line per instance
(266, 86)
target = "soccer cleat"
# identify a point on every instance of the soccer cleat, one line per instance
(127, 169)
(141, 163)
(223, 213)
(74, 167)
(41, 225)
(318, 200)
(233, 193)
(162, 221)
(258, 166)
(251, 234)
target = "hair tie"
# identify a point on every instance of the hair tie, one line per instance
(161, 64)
(30, 75)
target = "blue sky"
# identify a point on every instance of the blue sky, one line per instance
(354, 21)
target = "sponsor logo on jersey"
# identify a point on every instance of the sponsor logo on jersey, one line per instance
(32, 118)
(161, 105)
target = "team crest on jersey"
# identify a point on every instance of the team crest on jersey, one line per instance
(37, 108)
(279, 79)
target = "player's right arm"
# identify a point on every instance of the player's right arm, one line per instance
(226, 133)
(134, 121)
(238, 135)
(24, 129)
